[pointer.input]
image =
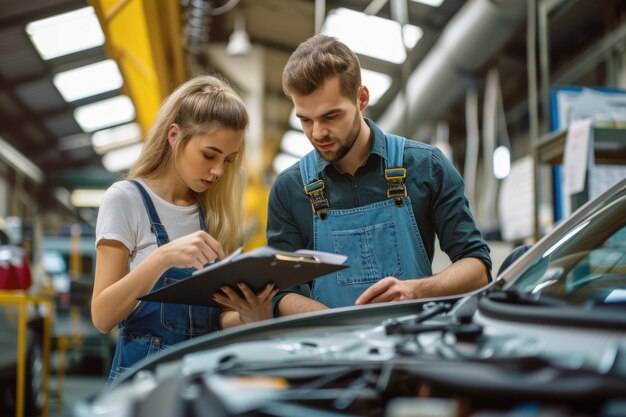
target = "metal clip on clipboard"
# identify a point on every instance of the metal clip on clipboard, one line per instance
(297, 257)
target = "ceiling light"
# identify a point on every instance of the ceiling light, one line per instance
(106, 140)
(239, 42)
(434, 3)
(369, 35)
(121, 159)
(501, 162)
(376, 82)
(105, 113)
(66, 33)
(295, 143)
(88, 80)
(86, 198)
(282, 161)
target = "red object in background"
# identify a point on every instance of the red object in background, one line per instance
(14, 270)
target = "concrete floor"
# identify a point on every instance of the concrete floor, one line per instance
(76, 388)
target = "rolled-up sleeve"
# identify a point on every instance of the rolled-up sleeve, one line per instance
(458, 234)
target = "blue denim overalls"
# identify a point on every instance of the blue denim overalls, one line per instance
(152, 327)
(380, 239)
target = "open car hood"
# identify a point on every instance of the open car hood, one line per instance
(529, 339)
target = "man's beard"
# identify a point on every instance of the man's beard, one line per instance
(344, 144)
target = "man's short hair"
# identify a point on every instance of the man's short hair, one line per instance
(317, 59)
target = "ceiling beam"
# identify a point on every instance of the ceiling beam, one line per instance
(19, 12)
(14, 158)
(143, 37)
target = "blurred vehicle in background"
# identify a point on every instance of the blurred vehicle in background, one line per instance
(16, 278)
(55, 266)
(69, 259)
(33, 393)
(70, 262)
(546, 338)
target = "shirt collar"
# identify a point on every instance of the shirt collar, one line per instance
(378, 146)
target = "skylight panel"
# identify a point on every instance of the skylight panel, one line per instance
(412, 35)
(114, 137)
(433, 3)
(368, 35)
(88, 80)
(121, 159)
(376, 82)
(66, 33)
(105, 113)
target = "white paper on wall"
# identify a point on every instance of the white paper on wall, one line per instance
(576, 156)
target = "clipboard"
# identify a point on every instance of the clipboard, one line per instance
(256, 268)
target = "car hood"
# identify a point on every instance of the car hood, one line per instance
(495, 350)
(449, 344)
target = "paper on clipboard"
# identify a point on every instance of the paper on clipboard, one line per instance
(256, 268)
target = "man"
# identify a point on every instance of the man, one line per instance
(379, 199)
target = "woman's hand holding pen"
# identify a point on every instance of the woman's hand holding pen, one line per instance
(192, 251)
(251, 307)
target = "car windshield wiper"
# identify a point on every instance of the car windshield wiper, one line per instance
(464, 329)
(429, 311)
(513, 296)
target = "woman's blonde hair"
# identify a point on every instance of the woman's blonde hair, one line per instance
(199, 106)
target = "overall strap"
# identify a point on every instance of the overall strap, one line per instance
(156, 226)
(202, 222)
(313, 186)
(395, 173)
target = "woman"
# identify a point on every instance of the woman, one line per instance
(179, 210)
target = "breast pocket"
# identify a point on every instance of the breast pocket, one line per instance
(372, 253)
(187, 320)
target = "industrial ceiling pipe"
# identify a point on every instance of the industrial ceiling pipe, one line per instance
(475, 34)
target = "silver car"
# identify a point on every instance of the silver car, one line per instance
(547, 337)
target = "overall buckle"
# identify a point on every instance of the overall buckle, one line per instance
(319, 203)
(395, 184)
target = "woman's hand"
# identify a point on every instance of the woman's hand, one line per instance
(191, 251)
(251, 307)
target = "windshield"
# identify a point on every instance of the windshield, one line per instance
(587, 265)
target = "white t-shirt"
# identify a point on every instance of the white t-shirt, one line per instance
(122, 216)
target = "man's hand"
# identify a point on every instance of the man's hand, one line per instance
(387, 289)
(464, 275)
